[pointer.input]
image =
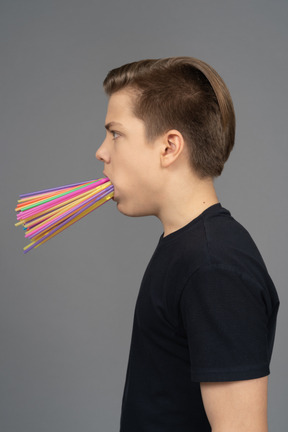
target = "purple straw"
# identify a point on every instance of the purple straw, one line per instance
(56, 188)
(67, 220)
(64, 215)
(42, 207)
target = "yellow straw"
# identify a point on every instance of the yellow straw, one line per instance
(19, 223)
(73, 199)
(87, 211)
(58, 212)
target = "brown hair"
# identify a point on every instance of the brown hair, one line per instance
(186, 94)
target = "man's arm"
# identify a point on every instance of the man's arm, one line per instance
(238, 406)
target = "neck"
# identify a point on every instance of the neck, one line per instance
(183, 200)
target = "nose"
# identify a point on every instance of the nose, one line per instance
(102, 153)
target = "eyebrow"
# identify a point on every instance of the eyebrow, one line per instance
(112, 124)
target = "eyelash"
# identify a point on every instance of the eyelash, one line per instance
(113, 135)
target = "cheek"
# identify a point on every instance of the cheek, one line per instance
(127, 163)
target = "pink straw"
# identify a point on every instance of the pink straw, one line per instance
(27, 213)
(101, 194)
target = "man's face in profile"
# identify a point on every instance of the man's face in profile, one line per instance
(130, 161)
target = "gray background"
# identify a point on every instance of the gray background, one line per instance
(67, 307)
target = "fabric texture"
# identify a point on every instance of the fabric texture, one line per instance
(206, 311)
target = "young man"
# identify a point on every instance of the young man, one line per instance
(205, 316)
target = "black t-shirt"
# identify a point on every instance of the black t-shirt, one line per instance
(206, 311)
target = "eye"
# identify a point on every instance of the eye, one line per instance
(115, 135)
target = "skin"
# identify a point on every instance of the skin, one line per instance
(150, 178)
(239, 406)
(155, 178)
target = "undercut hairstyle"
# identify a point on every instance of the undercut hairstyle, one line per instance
(185, 94)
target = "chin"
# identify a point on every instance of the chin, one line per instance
(124, 210)
(132, 211)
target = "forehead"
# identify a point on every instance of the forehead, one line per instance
(120, 105)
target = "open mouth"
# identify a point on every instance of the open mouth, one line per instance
(113, 198)
(105, 175)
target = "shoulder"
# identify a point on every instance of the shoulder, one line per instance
(213, 238)
(229, 318)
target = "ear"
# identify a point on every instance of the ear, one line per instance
(172, 147)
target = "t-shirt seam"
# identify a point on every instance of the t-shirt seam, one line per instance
(207, 241)
(210, 267)
(229, 375)
(163, 241)
(249, 368)
(224, 267)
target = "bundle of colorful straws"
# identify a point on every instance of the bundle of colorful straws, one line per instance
(46, 213)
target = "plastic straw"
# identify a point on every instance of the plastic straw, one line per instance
(44, 214)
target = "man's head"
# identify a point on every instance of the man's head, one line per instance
(184, 94)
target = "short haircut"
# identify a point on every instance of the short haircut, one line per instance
(185, 94)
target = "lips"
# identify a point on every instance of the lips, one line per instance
(105, 175)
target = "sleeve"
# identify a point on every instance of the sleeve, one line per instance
(225, 319)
